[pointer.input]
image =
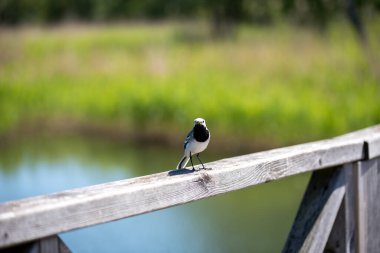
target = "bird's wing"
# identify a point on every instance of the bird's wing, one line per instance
(188, 138)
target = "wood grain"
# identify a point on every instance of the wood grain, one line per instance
(316, 215)
(42, 216)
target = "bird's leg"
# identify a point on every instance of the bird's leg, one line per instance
(201, 162)
(191, 160)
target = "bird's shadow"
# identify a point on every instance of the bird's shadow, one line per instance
(180, 172)
(185, 171)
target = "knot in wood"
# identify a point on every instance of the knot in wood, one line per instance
(204, 179)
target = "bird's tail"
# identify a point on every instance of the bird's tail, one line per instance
(183, 162)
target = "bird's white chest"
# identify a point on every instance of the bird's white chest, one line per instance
(196, 147)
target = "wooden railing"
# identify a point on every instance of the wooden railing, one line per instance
(340, 211)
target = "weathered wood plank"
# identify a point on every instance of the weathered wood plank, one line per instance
(371, 137)
(316, 215)
(342, 236)
(368, 205)
(38, 217)
(373, 146)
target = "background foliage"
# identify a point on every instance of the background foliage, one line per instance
(274, 85)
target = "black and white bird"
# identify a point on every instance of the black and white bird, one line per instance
(195, 142)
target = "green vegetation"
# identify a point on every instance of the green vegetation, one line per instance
(275, 85)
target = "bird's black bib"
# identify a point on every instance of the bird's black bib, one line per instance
(201, 134)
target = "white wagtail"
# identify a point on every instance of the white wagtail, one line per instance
(195, 142)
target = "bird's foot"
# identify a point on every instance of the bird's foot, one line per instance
(205, 168)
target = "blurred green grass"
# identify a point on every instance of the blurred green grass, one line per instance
(275, 85)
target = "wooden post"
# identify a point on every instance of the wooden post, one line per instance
(51, 244)
(316, 215)
(368, 205)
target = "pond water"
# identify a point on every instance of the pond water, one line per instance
(256, 219)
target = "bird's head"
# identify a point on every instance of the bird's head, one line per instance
(199, 121)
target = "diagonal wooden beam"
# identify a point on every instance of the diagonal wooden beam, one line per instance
(317, 213)
(342, 237)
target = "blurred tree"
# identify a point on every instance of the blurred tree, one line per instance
(318, 12)
(10, 11)
(224, 14)
(353, 9)
(81, 9)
